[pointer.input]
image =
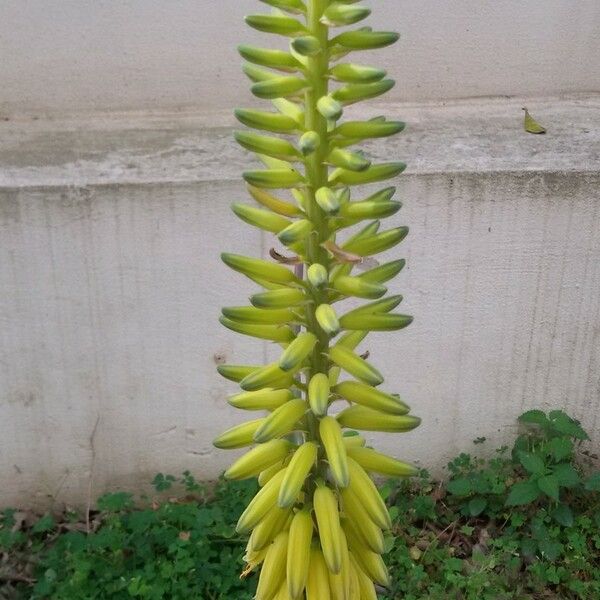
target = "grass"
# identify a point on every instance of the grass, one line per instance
(521, 525)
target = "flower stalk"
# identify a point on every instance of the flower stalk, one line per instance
(317, 521)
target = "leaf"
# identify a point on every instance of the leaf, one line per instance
(538, 527)
(140, 521)
(560, 448)
(394, 512)
(523, 492)
(528, 547)
(563, 515)
(477, 506)
(593, 482)
(162, 482)
(388, 542)
(460, 487)
(549, 485)
(531, 125)
(521, 445)
(566, 474)
(453, 564)
(550, 550)
(115, 502)
(424, 507)
(46, 523)
(532, 463)
(534, 417)
(564, 424)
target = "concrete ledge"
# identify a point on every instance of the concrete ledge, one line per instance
(110, 230)
(471, 136)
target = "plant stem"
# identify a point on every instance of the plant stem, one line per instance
(316, 176)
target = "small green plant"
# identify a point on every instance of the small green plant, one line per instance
(546, 452)
(538, 504)
(318, 521)
(175, 549)
(545, 457)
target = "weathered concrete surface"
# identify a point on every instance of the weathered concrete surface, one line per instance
(473, 136)
(86, 55)
(111, 287)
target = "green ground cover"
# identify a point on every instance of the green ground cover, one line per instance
(521, 524)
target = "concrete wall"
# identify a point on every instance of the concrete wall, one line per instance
(61, 56)
(110, 232)
(113, 211)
